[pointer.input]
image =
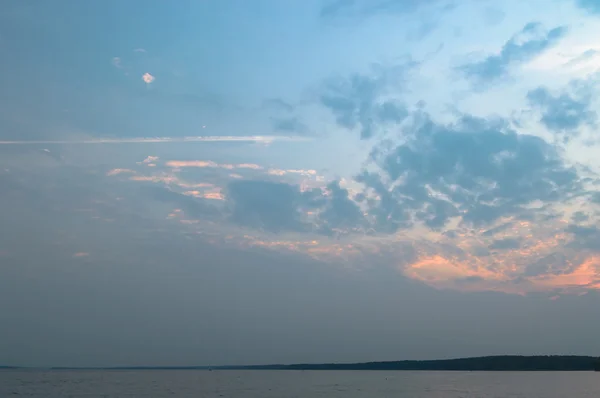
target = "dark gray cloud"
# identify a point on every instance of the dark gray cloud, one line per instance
(579, 216)
(585, 237)
(476, 168)
(358, 102)
(592, 6)
(565, 112)
(503, 244)
(266, 205)
(595, 197)
(340, 211)
(280, 207)
(552, 264)
(496, 229)
(388, 212)
(531, 41)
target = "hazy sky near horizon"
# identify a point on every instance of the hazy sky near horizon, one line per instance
(236, 182)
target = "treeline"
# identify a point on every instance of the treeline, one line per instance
(490, 363)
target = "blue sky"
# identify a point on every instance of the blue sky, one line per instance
(188, 162)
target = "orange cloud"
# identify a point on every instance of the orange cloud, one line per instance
(215, 194)
(557, 266)
(585, 275)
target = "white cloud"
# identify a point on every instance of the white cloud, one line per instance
(158, 140)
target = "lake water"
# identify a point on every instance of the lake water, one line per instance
(298, 384)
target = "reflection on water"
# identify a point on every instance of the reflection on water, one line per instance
(298, 384)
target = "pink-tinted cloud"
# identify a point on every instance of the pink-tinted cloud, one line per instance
(115, 172)
(176, 164)
(148, 78)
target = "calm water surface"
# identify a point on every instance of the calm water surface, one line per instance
(298, 384)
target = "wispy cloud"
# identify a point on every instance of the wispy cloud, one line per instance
(530, 42)
(158, 140)
(208, 163)
(116, 61)
(367, 8)
(115, 172)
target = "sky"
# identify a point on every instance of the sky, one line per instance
(234, 182)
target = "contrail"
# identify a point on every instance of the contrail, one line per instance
(149, 140)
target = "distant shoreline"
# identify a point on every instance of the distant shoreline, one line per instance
(486, 363)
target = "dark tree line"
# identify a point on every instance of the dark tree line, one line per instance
(491, 363)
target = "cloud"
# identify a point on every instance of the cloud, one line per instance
(428, 16)
(279, 104)
(268, 206)
(566, 111)
(285, 121)
(586, 237)
(530, 42)
(340, 212)
(279, 207)
(508, 243)
(210, 164)
(289, 125)
(493, 16)
(148, 78)
(336, 8)
(584, 58)
(193, 206)
(591, 6)
(579, 216)
(159, 140)
(149, 161)
(360, 102)
(478, 170)
(115, 172)
(116, 61)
